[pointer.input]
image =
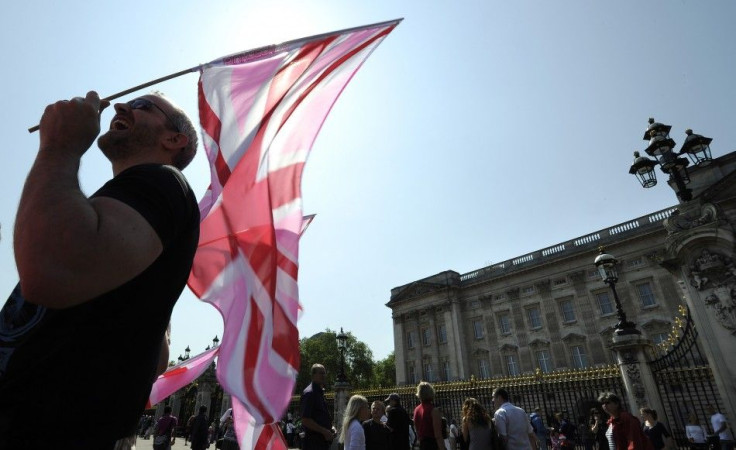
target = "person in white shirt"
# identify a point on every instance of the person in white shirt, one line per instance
(720, 427)
(695, 432)
(351, 432)
(512, 423)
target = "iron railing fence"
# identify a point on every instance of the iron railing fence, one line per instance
(572, 392)
(684, 379)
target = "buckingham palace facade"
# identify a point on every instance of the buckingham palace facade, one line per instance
(546, 310)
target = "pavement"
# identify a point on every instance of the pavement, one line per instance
(147, 444)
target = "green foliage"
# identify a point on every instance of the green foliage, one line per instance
(360, 368)
(384, 372)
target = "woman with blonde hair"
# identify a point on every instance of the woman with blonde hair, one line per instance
(428, 419)
(351, 432)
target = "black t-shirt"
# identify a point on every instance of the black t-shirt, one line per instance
(376, 435)
(96, 361)
(656, 434)
(398, 421)
(314, 406)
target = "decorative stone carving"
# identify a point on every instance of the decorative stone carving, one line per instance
(715, 276)
(724, 307)
(677, 221)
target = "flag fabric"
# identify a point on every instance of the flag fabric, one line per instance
(178, 376)
(260, 112)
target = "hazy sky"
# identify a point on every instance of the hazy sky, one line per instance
(477, 132)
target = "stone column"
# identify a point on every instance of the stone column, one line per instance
(399, 348)
(204, 397)
(632, 352)
(175, 403)
(434, 345)
(342, 394)
(226, 404)
(699, 252)
(159, 410)
(457, 337)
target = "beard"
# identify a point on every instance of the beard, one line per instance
(118, 146)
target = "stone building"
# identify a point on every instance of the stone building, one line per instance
(549, 309)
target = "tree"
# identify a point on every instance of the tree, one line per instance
(322, 349)
(384, 372)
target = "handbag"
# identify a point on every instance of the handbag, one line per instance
(163, 438)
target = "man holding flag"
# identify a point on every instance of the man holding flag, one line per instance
(96, 273)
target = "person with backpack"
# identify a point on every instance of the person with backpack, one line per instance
(539, 429)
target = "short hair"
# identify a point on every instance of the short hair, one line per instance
(202, 409)
(185, 126)
(167, 409)
(379, 404)
(501, 392)
(316, 367)
(649, 411)
(425, 391)
(609, 397)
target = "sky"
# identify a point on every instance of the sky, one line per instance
(477, 132)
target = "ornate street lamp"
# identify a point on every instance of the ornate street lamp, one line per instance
(606, 265)
(215, 342)
(342, 345)
(661, 146)
(186, 353)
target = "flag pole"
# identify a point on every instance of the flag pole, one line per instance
(139, 87)
(241, 57)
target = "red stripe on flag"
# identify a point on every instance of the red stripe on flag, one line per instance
(285, 333)
(255, 331)
(213, 127)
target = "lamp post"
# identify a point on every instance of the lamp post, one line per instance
(342, 344)
(606, 265)
(661, 146)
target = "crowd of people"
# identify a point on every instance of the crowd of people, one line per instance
(387, 425)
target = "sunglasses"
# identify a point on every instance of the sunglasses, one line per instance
(146, 105)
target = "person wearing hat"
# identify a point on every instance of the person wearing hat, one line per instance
(398, 423)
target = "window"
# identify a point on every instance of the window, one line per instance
(412, 374)
(442, 334)
(544, 362)
(659, 338)
(560, 281)
(446, 370)
(426, 336)
(410, 339)
(636, 262)
(568, 311)
(504, 322)
(604, 303)
(646, 295)
(579, 359)
(512, 365)
(535, 318)
(529, 290)
(483, 368)
(428, 372)
(478, 328)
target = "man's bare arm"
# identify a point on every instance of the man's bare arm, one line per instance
(68, 248)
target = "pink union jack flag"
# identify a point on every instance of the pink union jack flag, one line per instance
(260, 113)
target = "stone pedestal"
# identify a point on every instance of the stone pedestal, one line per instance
(632, 356)
(342, 395)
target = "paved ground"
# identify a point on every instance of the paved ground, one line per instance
(144, 444)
